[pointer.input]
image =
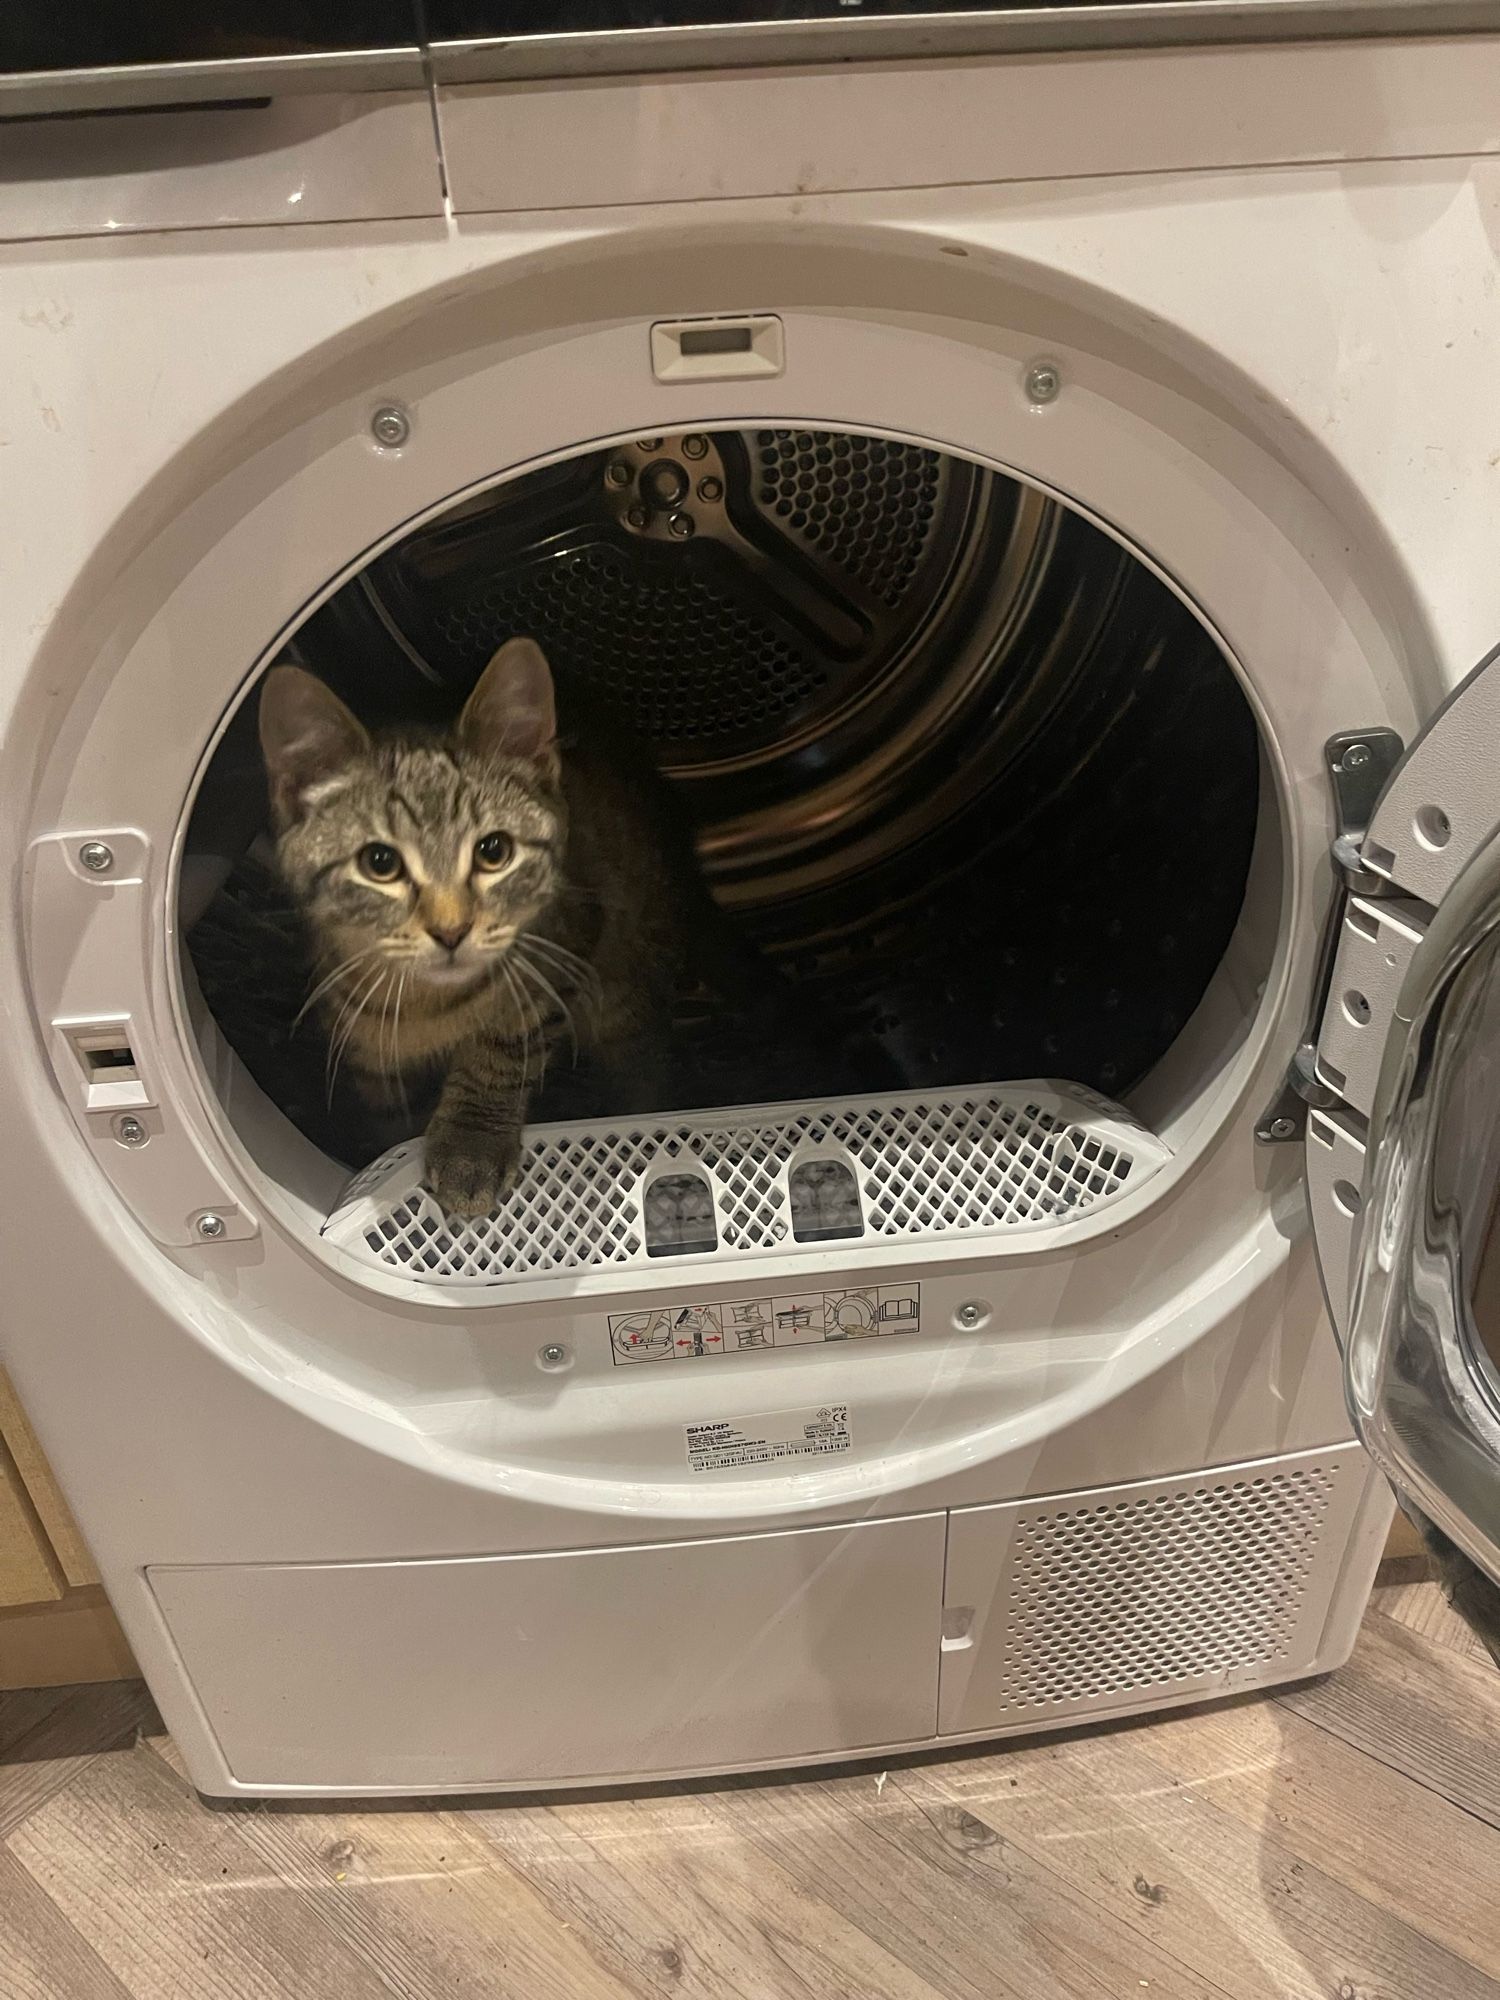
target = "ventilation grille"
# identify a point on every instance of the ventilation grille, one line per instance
(993, 1159)
(867, 503)
(1195, 1583)
(664, 645)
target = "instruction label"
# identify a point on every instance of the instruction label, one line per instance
(689, 1330)
(768, 1440)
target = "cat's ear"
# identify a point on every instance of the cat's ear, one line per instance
(307, 736)
(512, 711)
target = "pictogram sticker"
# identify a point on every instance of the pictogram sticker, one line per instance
(691, 1329)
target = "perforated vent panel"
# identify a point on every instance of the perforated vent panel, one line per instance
(867, 503)
(1238, 1553)
(679, 657)
(996, 1158)
(1115, 1599)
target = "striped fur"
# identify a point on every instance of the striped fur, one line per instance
(480, 971)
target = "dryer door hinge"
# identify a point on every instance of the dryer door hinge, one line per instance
(1358, 762)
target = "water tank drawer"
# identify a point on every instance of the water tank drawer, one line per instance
(608, 1663)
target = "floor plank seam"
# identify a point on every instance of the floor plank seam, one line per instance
(319, 1909)
(12, 1822)
(106, 1981)
(1388, 1762)
(557, 1907)
(1115, 1916)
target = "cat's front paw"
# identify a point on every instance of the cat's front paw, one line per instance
(469, 1176)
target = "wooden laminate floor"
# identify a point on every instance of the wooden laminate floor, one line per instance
(1339, 1842)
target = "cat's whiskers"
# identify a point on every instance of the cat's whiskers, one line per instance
(353, 1008)
(396, 1039)
(530, 1021)
(577, 967)
(338, 972)
(344, 1025)
(526, 969)
(387, 1063)
(561, 961)
(337, 1023)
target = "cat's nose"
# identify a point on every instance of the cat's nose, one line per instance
(451, 935)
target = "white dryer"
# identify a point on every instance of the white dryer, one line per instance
(1033, 497)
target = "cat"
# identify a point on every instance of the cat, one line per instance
(474, 898)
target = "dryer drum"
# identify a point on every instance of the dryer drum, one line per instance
(958, 761)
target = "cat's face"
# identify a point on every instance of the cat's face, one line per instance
(423, 858)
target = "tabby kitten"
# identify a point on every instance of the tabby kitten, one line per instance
(473, 899)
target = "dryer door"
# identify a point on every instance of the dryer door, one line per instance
(1404, 1167)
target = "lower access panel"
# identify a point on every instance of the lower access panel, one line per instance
(1128, 1596)
(494, 1671)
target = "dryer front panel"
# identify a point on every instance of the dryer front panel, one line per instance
(994, 732)
(599, 1664)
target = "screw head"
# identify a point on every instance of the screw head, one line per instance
(390, 426)
(1356, 756)
(665, 483)
(694, 446)
(710, 488)
(130, 1131)
(210, 1227)
(1043, 381)
(96, 857)
(681, 525)
(1281, 1128)
(617, 472)
(973, 1312)
(553, 1355)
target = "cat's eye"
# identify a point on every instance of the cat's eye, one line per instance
(380, 862)
(493, 851)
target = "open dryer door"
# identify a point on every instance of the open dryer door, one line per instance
(1404, 1154)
